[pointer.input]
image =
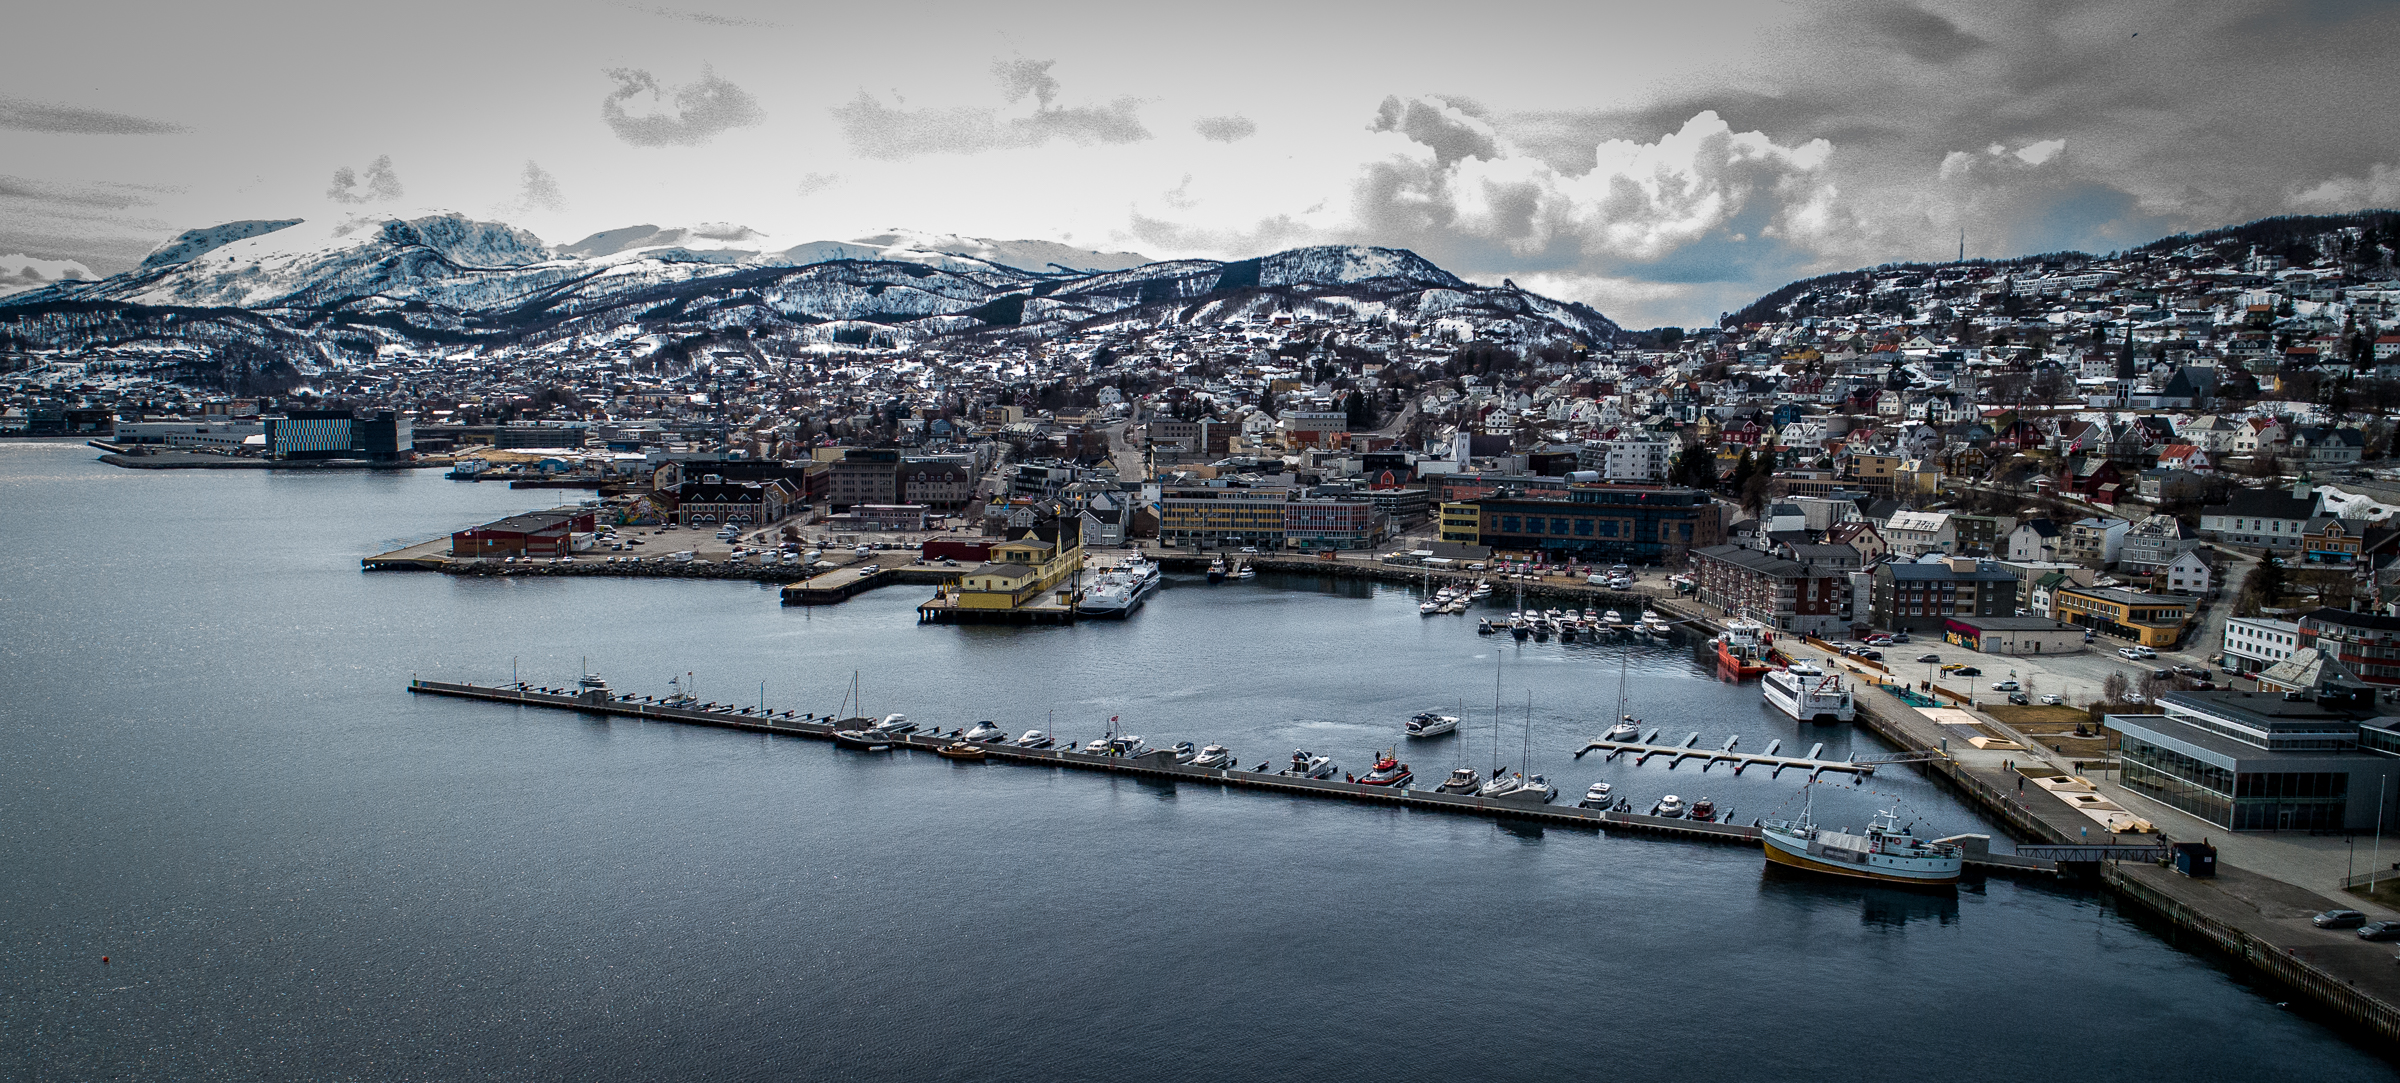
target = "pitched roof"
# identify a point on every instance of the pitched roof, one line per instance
(2266, 504)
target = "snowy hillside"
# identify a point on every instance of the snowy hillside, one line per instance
(346, 285)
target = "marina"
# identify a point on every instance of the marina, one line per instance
(1153, 763)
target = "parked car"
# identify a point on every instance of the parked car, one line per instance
(2126, 652)
(1899, 637)
(2004, 686)
(2163, 674)
(1871, 654)
(2018, 698)
(1929, 658)
(2339, 919)
(2379, 930)
(1879, 641)
(1967, 671)
(2052, 699)
(2191, 671)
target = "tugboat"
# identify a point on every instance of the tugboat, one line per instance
(1216, 756)
(1432, 724)
(1885, 852)
(1305, 765)
(1216, 570)
(1388, 771)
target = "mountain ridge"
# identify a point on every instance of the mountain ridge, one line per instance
(355, 285)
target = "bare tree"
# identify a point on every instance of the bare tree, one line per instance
(2152, 685)
(2114, 688)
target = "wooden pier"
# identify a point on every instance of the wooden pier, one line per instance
(1158, 764)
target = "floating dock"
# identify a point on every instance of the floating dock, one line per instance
(1643, 751)
(1158, 764)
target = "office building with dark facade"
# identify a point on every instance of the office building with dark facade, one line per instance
(1603, 524)
(1922, 597)
(383, 436)
(2265, 761)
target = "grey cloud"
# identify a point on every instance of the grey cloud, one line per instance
(1922, 34)
(382, 184)
(1451, 132)
(877, 130)
(701, 109)
(539, 189)
(814, 183)
(1226, 129)
(712, 18)
(32, 116)
(1019, 77)
(104, 197)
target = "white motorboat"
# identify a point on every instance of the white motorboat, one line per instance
(897, 725)
(1596, 797)
(1670, 807)
(1119, 745)
(985, 731)
(1428, 607)
(1306, 765)
(1613, 619)
(1216, 756)
(1186, 752)
(1482, 589)
(1035, 739)
(1431, 724)
(1654, 624)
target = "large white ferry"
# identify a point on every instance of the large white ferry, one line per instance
(1885, 851)
(1120, 590)
(1807, 693)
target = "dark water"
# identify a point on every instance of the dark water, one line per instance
(210, 773)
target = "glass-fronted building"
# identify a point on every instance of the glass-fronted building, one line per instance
(2252, 761)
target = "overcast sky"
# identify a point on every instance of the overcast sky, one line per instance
(1665, 162)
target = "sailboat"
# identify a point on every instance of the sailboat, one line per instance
(861, 731)
(1523, 786)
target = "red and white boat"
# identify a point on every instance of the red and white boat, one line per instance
(1742, 650)
(1388, 771)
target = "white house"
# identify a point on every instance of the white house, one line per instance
(2255, 643)
(2190, 573)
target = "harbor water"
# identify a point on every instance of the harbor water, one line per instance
(212, 776)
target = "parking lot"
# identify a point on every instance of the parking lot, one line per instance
(2077, 678)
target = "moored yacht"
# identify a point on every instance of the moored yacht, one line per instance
(1654, 624)
(986, 730)
(1626, 729)
(1120, 745)
(1431, 724)
(1035, 739)
(1465, 780)
(1305, 765)
(1520, 788)
(1597, 797)
(1186, 752)
(1215, 756)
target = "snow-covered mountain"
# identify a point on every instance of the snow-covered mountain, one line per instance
(350, 285)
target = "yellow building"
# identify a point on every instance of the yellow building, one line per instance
(1462, 523)
(1040, 558)
(2152, 620)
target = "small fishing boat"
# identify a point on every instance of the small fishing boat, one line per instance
(1244, 571)
(1388, 771)
(960, 750)
(863, 740)
(1704, 810)
(1185, 751)
(1668, 807)
(1465, 780)
(1597, 797)
(1216, 570)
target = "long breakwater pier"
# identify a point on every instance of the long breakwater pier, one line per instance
(1647, 748)
(1162, 765)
